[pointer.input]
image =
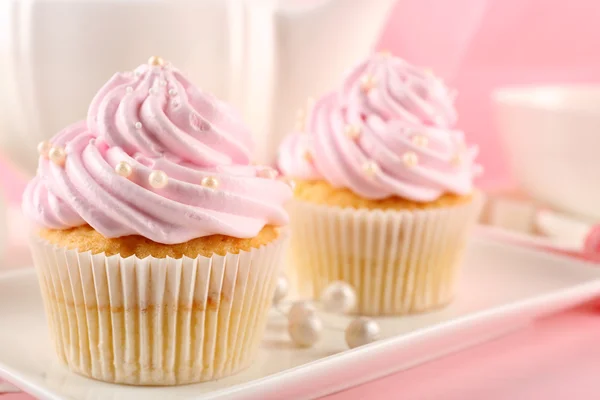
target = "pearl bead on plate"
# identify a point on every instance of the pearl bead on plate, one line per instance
(43, 148)
(158, 179)
(361, 331)
(210, 182)
(339, 297)
(300, 310)
(281, 290)
(123, 169)
(57, 155)
(306, 331)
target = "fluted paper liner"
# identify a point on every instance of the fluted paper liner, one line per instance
(399, 262)
(157, 321)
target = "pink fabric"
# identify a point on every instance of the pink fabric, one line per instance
(477, 45)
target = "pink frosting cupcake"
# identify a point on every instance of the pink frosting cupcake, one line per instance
(384, 189)
(157, 244)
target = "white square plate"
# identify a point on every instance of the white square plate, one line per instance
(502, 287)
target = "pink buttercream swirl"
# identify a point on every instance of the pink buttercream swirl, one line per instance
(387, 132)
(153, 120)
(294, 157)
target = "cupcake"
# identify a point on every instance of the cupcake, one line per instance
(384, 196)
(157, 244)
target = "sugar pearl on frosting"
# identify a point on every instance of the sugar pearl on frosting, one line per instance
(308, 156)
(57, 155)
(410, 159)
(138, 125)
(152, 90)
(290, 182)
(43, 148)
(158, 179)
(367, 82)
(352, 131)
(129, 89)
(123, 169)
(267, 172)
(210, 182)
(137, 72)
(457, 159)
(371, 168)
(420, 140)
(156, 61)
(172, 92)
(162, 82)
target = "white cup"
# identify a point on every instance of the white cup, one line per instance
(552, 138)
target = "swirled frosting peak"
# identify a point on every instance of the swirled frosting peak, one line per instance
(387, 131)
(159, 158)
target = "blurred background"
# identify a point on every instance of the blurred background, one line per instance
(525, 71)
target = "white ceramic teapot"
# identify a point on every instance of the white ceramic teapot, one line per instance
(264, 56)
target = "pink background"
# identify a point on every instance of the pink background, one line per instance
(476, 45)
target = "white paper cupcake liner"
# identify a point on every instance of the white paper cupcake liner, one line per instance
(157, 321)
(399, 262)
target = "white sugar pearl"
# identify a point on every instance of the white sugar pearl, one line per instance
(306, 331)
(57, 155)
(172, 92)
(361, 331)
(267, 173)
(162, 82)
(367, 82)
(152, 90)
(210, 182)
(370, 168)
(123, 169)
(352, 132)
(158, 179)
(138, 125)
(420, 140)
(410, 159)
(290, 182)
(129, 89)
(43, 148)
(457, 160)
(300, 310)
(156, 61)
(339, 297)
(281, 290)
